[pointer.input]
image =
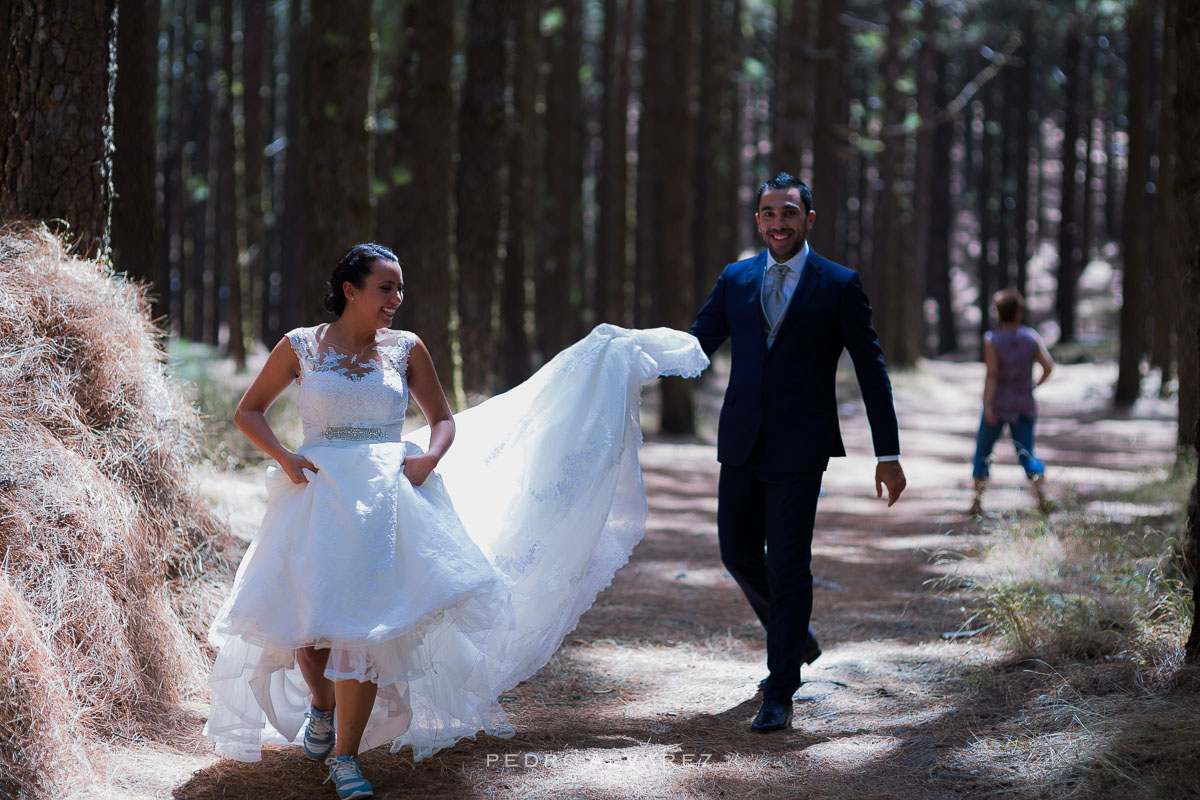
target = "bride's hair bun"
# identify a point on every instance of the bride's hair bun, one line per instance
(354, 266)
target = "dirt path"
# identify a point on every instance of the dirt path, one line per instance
(652, 695)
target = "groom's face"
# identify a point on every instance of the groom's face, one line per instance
(783, 222)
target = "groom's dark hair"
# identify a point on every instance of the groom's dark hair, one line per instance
(786, 181)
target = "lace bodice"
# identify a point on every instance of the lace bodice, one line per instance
(351, 397)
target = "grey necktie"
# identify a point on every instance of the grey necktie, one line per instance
(773, 299)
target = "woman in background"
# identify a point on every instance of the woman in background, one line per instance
(1010, 351)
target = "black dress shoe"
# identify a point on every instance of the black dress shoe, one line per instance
(772, 716)
(811, 652)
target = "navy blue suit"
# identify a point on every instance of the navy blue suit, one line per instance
(778, 430)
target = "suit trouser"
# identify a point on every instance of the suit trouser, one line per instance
(765, 519)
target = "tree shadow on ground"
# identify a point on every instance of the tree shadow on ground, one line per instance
(652, 694)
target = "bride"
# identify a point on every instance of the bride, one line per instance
(405, 586)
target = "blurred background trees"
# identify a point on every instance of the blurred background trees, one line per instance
(544, 166)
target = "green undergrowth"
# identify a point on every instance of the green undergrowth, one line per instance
(215, 386)
(1101, 577)
(1091, 608)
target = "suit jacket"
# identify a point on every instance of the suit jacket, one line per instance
(787, 394)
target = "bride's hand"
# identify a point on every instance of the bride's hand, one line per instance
(295, 465)
(418, 468)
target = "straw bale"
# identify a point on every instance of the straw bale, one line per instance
(37, 725)
(111, 562)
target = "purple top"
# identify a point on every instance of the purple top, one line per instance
(1016, 352)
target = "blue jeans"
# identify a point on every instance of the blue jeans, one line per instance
(1022, 437)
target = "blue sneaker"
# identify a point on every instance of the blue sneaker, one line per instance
(318, 734)
(347, 777)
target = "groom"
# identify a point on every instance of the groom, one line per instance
(788, 314)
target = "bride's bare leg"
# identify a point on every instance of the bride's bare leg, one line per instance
(354, 703)
(312, 666)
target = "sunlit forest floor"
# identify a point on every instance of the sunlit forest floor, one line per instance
(916, 696)
(1011, 655)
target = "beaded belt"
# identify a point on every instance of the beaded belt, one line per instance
(352, 434)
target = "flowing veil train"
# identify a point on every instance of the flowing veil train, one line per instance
(547, 482)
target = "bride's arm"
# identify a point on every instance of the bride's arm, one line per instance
(281, 369)
(426, 389)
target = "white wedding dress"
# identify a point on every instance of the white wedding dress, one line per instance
(449, 593)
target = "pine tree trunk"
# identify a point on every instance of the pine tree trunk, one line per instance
(478, 190)
(1005, 204)
(928, 80)
(1087, 230)
(396, 196)
(337, 194)
(1023, 135)
(651, 96)
(1185, 249)
(196, 186)
(984, 210)
(256, 49)
(792, 87)
(230, 270)
(829, 147)
(1135, 218)
(898, 279)
(515, 355)
(427, 259)
(1187, 109)
(6, 10)
(275, 159)
(857, 245)
(715, 173)
(1187, 327)
(579, 321)
(1164, 266)
(939, 221)
(136, 222)
(220, 160)
(1069, 266)
(395, 193)
(612, 181)
(172, 174)
(675, 128)
(1114, 67)
(728, 209)
(557, 303)
(56, 146)
(287, 271)
(884, 278)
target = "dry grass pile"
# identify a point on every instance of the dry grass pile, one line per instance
(107, 552)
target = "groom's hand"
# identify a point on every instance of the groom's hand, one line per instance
(891, 475)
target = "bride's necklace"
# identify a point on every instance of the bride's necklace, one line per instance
(348, 350)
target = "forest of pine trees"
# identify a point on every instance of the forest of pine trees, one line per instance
(544, 166)
(541, 167)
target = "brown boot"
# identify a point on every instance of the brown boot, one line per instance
(1038, 482)
(976, 509)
